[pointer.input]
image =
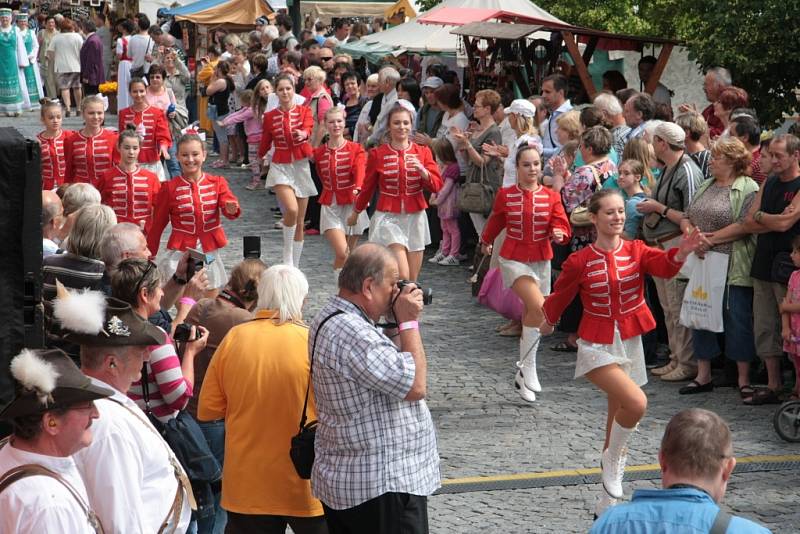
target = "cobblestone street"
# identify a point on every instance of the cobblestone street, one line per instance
(485, 429)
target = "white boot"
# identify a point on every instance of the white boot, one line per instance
(297, 251)
(527, 381)
(288, 239)
(603, 503)
(336, 277)
(613, 459)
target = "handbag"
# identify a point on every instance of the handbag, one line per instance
(580, 216)
(184, 437)
(476, 197)
(139, 72)
(495, 296)
(701, 308)
(782, 267)
(302, 447)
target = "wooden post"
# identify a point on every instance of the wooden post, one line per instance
(583, 72)
(658, 70)
(590, 48)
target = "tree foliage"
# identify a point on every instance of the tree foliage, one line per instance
(758, 40)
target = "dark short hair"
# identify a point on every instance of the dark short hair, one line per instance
(351, 74)
(648, 60)
(142, 21)
(89, 26)
(155, 68)
(643, 103)
(747, 127)
(284, 20)
(411, 86)
(308, 43)
(598, 139)
(448, 95)
(616, 80)
(339, 23)
(449, 76)
(259, 62)
(126, 25)
(625, 94)
(559, 81)
(591, 116)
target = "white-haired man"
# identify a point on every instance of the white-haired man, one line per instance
(52, 219)
(613, 119)
(715, 80)
(133, 480)
(387, 85)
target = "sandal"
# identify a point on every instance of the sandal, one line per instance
(564, 347)
(763, 396)
(696, 387)
(746, 392)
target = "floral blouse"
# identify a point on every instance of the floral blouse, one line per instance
(585, 181)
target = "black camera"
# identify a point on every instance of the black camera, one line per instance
(183, 332)
(427, 294)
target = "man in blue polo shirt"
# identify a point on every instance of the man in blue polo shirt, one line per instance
(696, 460)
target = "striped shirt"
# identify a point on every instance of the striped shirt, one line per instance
(369, 440)
(167, 389)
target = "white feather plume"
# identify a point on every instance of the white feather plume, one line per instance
(82, 312)
(35, 374)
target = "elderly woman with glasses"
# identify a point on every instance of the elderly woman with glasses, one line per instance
(137, 282)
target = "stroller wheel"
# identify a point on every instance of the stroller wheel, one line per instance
(787, 421)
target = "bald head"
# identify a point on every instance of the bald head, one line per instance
(52, 212)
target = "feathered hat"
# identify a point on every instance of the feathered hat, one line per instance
(46, 380)
(90, 318)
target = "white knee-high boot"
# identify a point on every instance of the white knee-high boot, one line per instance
(336, 277)
(297, 251)
(614, 458)
(288, 239)
(527, 381)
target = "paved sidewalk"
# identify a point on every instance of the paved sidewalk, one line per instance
(483, 426)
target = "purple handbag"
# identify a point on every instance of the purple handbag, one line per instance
(501, 299)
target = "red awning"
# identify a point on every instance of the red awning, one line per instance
(458, 16)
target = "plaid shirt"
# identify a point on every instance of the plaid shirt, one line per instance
(369, 440)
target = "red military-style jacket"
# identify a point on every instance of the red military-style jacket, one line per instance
(341, 171)
(89, 157)
(611, 286)
(278, 128)
(529, 218)
(153, 128)
(194, 210)
(400, 186)
(132, 195)
(54, 158)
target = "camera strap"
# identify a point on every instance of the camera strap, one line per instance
(304, 417)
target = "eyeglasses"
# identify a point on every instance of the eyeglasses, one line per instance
(150, 266)
(326, 58)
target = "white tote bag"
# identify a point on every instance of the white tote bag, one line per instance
(702, 301)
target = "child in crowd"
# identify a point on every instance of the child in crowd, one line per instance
(253, 105)
(446, 202)
(790, 317)
(92, 150)
(630, 181)
(51, 141)
(151, 125)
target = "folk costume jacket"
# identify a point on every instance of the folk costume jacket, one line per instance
(153, 128)
(54, 158)
(341, 171)
(611, 286)
(529, 218)
(132, 195)
(89, 157)
(400, 185)
(277, 130)
(194, 210)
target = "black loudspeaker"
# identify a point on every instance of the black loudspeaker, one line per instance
(21, 311)
(251, 246)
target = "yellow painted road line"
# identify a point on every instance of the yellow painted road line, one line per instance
(768, 459)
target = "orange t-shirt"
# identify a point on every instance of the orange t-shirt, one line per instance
(257, 382)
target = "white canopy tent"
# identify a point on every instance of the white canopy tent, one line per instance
(435, 39)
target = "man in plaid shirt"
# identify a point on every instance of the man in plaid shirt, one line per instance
(376, 459)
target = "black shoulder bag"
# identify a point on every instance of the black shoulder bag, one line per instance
(184, 437)
(302, 450)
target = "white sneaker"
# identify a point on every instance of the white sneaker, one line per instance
(436, 258)
(449, 260)
(278, 225)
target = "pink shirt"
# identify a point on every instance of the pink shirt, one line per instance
(161, 101)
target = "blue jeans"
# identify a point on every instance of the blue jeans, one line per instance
(173, 166)
(737, 319)
(214, 431)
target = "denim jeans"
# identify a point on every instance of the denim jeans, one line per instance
(214, 431)
(737, 319)
(173, 166)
